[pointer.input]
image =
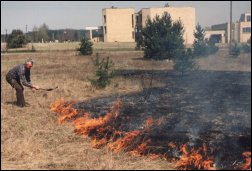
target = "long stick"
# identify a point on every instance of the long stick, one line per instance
(48, 89)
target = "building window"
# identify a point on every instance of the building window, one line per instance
(249, 18)
(104, 18)
(246, 30)
(132, 20)
(105, 29)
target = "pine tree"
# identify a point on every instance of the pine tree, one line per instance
(86, 47)
(199, 44)
(104, 72)
(185, 61)
(162, 38)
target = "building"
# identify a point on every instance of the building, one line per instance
(122, 24)
(218, 32)
(217, 35)
(185, 14)
(118, 24)
(244, 28)
(95, 34)
(241, 30)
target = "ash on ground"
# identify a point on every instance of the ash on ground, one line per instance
(211, 107)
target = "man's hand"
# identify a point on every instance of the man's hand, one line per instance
(35, 87)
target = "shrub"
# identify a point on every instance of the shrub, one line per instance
(211, 48)
(86, 47)
(235, 50)
(16, 39)
(185, 61)
(246, 48)
(201, 46)
(104, 73)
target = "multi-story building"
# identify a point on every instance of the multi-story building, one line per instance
(241, 30)
(244, 28)
(185, 14)
(118, 24)
(121, 24)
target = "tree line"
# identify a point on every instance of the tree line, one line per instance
(44, 34)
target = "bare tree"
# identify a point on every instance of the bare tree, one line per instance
(35, 34)
(43, 33)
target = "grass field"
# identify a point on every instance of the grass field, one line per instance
(32, 138)
(69, 46)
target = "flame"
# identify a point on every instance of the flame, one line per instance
(194, 159)
(96, 143)
(103, 132)
(155, 156)
(143, 149)
(123, 142)
(85, 124)
(247, 164)
(148, 122)
(140, 149)
(64, 109)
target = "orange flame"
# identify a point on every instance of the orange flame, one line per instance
(139, 149)
(98, 143)
(85, 124)
(64, 109)
(123, 142)
(155, 156)
(143, 149)
(194, 159)
(148, 122)
(247, 165)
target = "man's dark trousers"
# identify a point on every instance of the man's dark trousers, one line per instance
(19, 90)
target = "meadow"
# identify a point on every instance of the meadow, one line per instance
(32, 138)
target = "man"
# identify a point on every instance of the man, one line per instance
(18, 76)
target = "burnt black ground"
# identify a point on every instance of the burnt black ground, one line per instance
(211, 107)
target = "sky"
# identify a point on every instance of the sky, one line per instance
(81, 14)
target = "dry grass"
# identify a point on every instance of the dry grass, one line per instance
(103, 46)
(32, 138)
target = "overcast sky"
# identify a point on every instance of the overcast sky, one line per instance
(78, 15)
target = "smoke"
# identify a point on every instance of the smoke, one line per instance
(207, 107)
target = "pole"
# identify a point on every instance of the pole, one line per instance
(6, 35)
(230, 37)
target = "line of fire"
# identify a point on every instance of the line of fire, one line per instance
(211, 135)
